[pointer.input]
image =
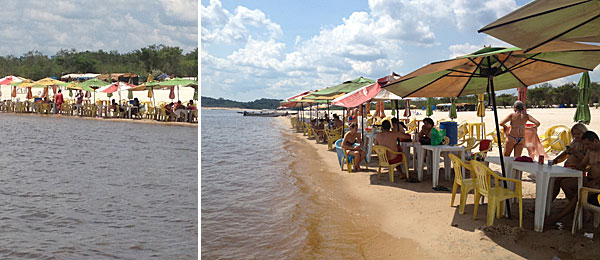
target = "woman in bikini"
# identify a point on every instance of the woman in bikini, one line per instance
(515, 138)
(350, 139)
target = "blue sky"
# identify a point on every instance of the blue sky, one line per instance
(121, 25)
(252, 49)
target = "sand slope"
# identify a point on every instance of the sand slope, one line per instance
(414, 211)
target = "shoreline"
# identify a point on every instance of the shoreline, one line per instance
(230, 108)
(108, 119)
(414, 212)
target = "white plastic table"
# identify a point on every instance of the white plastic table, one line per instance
(436, 151)
(370, 139)
(544, 176)
(415, 154)
(544, 179)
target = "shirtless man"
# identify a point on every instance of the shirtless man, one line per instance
(388, 139)
(570, 187)
(516, 137)
(352, 137)
(336, 121)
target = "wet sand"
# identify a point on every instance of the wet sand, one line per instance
(424, 219)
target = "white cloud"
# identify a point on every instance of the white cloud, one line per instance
(221, 26)
(48, 26)
(371, 44)
(462, 49)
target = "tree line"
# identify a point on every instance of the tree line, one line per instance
(263, 103)
(154, 59)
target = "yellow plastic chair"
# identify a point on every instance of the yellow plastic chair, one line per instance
(583, 203)
(496, 194)
(494, 137)
(316, 132)
(466, 184)
(381, 152)
(332, 135)
(556, 138)
(411, 126)
(462, 131)
(308, 129)
(67, 109)
(347, 160)
(469, 143)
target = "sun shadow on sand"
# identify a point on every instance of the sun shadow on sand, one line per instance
(506, 233)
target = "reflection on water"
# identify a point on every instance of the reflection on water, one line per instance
(260, 201)
(73, 188)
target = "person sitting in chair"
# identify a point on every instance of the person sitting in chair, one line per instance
(350, 139)
(425, 133)
(388, 139)
(337, 123)
(592, 180)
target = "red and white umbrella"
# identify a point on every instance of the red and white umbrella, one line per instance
(407, 109)
(10, 79)
(115, 87)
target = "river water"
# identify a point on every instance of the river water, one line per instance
(91, 189)
(266, 195)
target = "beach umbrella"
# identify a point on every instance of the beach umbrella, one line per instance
(29, 94)
(48, 82)
(481, 106)
(495, 68)
(70, 93)
(453, 109)
(129, 94)
(583, 109)
(543, 21)
(14, 91)
(407, 113)
(93, 84)
(45, 94)
(346, 87)
(429, 110)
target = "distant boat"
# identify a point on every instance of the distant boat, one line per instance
(264, 113)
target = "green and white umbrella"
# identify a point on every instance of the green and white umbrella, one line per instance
(583, 109)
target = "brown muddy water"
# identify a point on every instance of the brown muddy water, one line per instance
(94, 189)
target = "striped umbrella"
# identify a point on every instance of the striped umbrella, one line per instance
(407, 109)
(453, 109)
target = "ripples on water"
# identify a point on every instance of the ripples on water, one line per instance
(73, 188)
(259, 201)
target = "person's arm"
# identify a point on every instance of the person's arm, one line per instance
(560, 157)
(533, 120)
(505, 120)
(402, 135)
(584, 163)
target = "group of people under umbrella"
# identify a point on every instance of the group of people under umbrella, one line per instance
(538, 57)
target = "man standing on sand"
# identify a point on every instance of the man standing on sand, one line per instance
(58, 99)
(388, 139)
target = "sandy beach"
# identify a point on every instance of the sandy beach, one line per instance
(419, 222)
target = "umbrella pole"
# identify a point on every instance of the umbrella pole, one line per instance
(343, 120)
(362, 123)
(491, 83)
(328, 110)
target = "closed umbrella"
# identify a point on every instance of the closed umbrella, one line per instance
(543, 21)
(522, 94)
(481, 106)
(14, 91)
(45, 94)
(29, 94)
(453, 109)
(429, 111)
(172, 93)
(583, 109)
(407, 109)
